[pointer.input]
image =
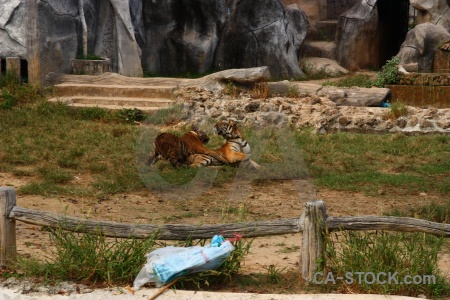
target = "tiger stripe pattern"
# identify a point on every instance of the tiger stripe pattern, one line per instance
(178, 149)
(236, 149)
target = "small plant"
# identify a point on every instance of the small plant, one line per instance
(260, 90)
(231, 89)
(398, 109)
(131, 115)
(293, 91)
(90, 57)
(274, 274)
(388, 74)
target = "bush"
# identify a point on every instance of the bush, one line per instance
(388, 74)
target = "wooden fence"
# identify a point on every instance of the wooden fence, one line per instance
(314, 224)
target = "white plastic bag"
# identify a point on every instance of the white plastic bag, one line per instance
(165, 264)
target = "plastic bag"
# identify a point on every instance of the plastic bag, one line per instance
(168, 263)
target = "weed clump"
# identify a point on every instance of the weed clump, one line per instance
(403, 257)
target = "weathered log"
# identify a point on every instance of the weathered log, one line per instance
(387, 223)
(165, 231)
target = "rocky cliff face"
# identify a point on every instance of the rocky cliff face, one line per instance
(162, 37)
(12, 28)
(265, 35)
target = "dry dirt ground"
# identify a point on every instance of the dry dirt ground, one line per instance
(260, 201)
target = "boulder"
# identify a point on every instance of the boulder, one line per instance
(181, 35)
(357, 38)
(315, 65)
(433, 11)
(418, 50)
(12, 28)
(270, 35)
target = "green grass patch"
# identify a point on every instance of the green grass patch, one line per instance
(89, 258)
(54, 142)
(406, 254)
(364, 81)
(434, 212)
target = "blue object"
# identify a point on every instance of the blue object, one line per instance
(385, 104)
(168, 263)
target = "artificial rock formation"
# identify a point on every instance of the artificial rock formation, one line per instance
(181, 36)
(270, 35)
(436, 12)
(12, 29)
(418, 50)
(357, 39)
(161, 37)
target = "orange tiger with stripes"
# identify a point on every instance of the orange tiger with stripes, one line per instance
(236, 149)
(177, 149)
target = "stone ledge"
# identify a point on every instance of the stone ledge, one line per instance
(425, 95)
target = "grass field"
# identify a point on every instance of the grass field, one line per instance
(52, 145)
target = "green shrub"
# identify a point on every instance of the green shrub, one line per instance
(388, 74)
(130, 115)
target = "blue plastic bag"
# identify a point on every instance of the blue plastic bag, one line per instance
(168, 263)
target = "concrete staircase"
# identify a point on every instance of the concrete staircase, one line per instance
(324, 44)
(112, 96)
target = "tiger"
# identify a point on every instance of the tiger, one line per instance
(177, 149)
(235, 150)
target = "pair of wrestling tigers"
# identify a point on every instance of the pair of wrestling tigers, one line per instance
(190, 150)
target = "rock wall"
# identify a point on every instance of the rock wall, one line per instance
(181, 36)
(161, 37)
(12, 28)
(59, 35)
(319, 113)
(266, 35)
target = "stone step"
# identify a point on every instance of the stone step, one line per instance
(114, 107)
(120, 101)
(319, 49)
(129, 91)
(150, 104)
(326, 30)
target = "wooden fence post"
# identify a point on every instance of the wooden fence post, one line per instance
(7, 226)
(313, 219)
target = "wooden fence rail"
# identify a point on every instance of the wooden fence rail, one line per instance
(313, 223)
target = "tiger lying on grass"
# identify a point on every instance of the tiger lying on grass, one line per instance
(177, 149)
(236, 150)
